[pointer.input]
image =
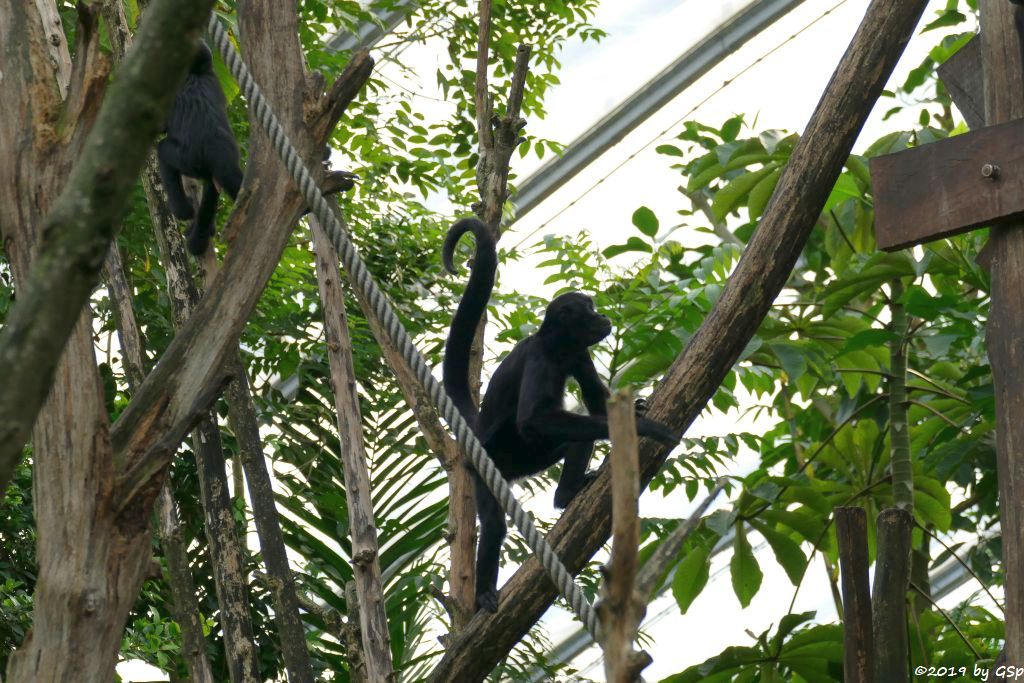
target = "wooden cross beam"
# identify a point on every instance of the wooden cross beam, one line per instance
(956, 185)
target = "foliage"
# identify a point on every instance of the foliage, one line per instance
(817, 368)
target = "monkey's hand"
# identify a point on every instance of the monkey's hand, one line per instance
(487, 600)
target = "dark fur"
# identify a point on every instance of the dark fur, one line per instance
(199, 144)
(522, 421)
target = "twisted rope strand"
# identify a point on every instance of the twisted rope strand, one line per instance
(483, 464)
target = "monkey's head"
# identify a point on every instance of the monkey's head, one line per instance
(202, 63)
(572, 318)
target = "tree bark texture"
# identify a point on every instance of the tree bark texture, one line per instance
(1002, 47)
(889, 596)
(92, 556)
(365, 551)
(226, 554)
(242, 417)
(852, 536)
(762, 272)
(179, 575)
(622, 608)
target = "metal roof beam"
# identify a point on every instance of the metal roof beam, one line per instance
(369, 33)
(638, 107)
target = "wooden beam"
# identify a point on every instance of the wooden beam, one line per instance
(963, 74)
(949, 187)
(1002, 48)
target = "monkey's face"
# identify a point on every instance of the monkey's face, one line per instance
(574, 316)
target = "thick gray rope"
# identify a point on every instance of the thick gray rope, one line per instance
(399, 337)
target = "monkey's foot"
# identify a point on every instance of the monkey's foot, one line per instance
(197, 241)
(565, 494)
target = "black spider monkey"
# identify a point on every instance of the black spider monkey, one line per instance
(522, 422)
(199, 144)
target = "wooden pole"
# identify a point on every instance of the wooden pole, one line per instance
(373, 623)
(621, 608)
(889, 598)
(852, 534)
(1002, 50)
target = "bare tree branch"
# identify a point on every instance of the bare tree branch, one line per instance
(484, 103)
(662, 559)
(362, 529)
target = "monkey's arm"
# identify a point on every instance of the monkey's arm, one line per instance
(595, 393)
(540, 414)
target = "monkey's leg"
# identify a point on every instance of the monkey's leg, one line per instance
(574, 471)
(488, 552)
(204, 226)
(168, 163)
(221, 156)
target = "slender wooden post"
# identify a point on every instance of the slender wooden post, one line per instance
(1002, 48)
(365, 550)
(889, 597)
(852, 534)
(621, 608)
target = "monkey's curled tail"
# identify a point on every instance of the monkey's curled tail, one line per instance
(455, 368)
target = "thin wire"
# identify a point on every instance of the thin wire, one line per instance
(659, 136)
(371, 293)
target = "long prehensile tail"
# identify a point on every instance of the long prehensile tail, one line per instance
(455, 369)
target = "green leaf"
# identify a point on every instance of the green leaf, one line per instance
(867, 339)
(691, 576)
(732, 128)
(632, 244)
(732, 194)
(792, 358)
(857, 166)
(645, 220)
(786, 550)
(762, 192)
(704, 178)
(746, 572)
(947, 18)
(803, 520)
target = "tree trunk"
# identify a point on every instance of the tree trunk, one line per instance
(852, 535)
(373, 622)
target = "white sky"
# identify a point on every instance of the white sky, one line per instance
(782, 91)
